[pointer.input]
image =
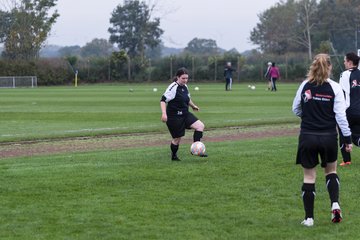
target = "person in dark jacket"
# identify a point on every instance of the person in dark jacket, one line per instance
(320, 104)
(228, 76)
(350, 83)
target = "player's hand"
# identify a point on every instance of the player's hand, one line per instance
(164, 117)
(195, 108)
(348, 147)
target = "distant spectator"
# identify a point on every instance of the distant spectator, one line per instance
(274, 75)
(267, 75)
(228, 76)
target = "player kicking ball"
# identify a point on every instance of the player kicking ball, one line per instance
(174, 106)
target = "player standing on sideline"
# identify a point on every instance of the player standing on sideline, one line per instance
(320, 103)
(274, 73)
(228, 76)
(350, 83)
(174, 106)
(267, 75)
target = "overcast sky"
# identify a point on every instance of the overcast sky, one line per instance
(228, 22)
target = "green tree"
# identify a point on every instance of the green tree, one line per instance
(200, 46)
(133, 28)
(340, 23)
(26, 27)
(97, 48)
(70, 51)
(275, 29)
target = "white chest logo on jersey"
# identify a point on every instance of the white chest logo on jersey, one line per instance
(179, 113)
(355, 84)
(307, 95)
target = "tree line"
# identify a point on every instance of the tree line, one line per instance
(288, 33)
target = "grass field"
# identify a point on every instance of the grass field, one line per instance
(246, 189)
(92, 110)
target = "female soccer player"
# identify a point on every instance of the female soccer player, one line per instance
(350, 83)
(320, 103)
(174, 106)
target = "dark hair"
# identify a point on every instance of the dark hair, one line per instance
(273, 64)
(352, 57)
(181, 71)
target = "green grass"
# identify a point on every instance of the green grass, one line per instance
(247, 189)
(54, 112)
(244, 190)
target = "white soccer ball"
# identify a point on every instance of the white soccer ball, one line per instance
(154, 89)
(196, 88)
(253, 87)
(197, 148)
(249, 86)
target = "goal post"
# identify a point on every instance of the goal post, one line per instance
(18, 81)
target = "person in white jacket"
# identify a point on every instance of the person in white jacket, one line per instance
(350, 84)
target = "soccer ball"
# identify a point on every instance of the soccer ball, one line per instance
(253, 87)
(197, 148)
(155, 89)
(196, 88)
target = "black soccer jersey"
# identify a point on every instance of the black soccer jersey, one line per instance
(177, 98)
(321, 107)
(350, 83)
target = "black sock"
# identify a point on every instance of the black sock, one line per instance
(174, 148)
(197, 136)
(308, 195)
(333, 185)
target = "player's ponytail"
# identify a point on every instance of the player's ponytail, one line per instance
(320, 69)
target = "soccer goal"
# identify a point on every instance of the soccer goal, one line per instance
(18, 81)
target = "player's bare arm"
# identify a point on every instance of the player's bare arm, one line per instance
(193, 106)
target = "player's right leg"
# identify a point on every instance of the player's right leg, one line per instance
(333, 186)
(174, 147)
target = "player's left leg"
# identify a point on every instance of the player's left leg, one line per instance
(199, 127)
(333, 186)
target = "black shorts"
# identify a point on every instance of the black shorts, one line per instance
(178, 124)
(311, 146)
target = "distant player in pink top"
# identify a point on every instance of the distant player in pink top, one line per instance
(274, 73)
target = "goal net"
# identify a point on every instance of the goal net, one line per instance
(18, 81)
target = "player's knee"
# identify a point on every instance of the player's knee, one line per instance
(201, 126)
(176, 141)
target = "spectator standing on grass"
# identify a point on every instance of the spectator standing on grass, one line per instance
(350, 83)
(267, 75)
(274, 73)
(228, 76)
(320, 104)
(174, 106)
